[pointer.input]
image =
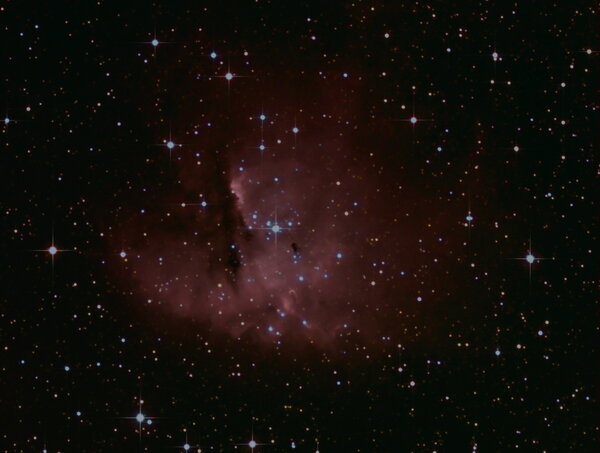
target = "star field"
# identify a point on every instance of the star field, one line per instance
(299, 226)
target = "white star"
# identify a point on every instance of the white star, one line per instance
(52, 250)
(530, 258)
(252, 443)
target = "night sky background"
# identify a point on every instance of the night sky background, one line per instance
(318, 226)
